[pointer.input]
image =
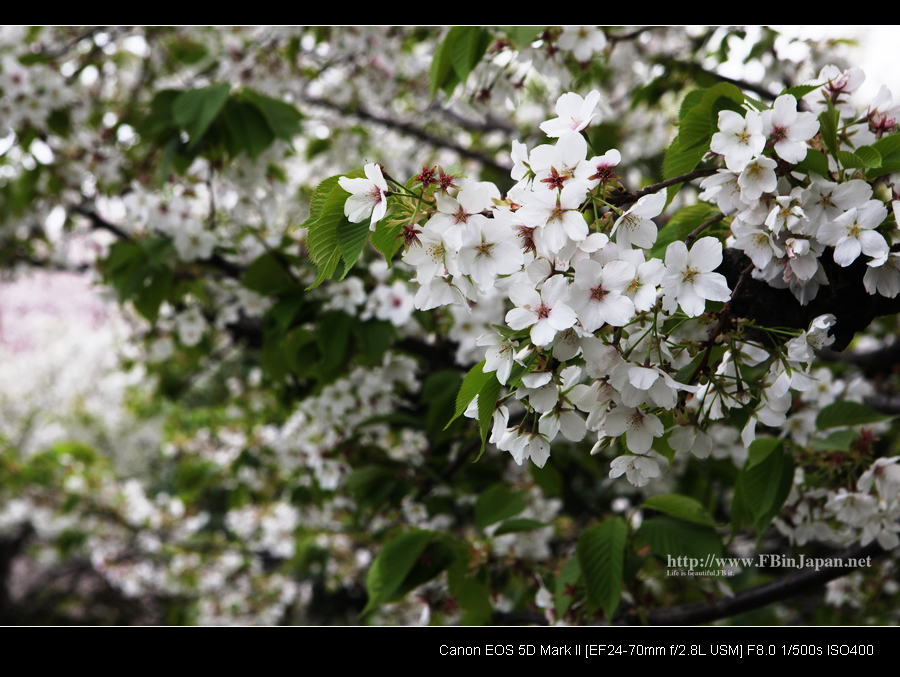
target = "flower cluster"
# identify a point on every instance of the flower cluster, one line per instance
(785, 221)
(588, 343)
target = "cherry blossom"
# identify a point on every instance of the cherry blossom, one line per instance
(635, 227)
(739, 139)
(854, 232)
(689, 278)
(546, 313)
(575, 113)
(639, 470)
(788, 129)
(596, 295)
(368, 196)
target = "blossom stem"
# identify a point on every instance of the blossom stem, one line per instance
(613, 207)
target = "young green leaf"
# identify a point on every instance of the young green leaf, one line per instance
(195, 109)
(682, 507)
(601, 557)
(472, 384)
(846, 413)
(496, 504)
(670, 537)
(395, 561)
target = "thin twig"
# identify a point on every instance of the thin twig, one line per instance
(689, 240)
(623, 198)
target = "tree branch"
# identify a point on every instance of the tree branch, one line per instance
(623, 198)
(689, 240)
(216, 260)
(760, 595)
(844, 296)
(411, 130)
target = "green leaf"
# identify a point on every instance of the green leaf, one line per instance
(668, 536)
(439, 392)
(471, 590)
(282, 118)
(887, 167)
(297, 344)
(436, 557)
(387, 240)
(268, 276)
(887, 145)
(317, 201)
(815, 162)
(758, 105)
(799, 91)
(869, 156)
(487, 403)
(519, 524)
(395, 561)
(374, 337)
(472, 384)
(740, 515)
(843, 414)
(372, 485)
(322, 239)
(701, 122)
(568, 578)
(467, 45)
(690, 101)
(848, 159)
(682, 507)
(522, 36)
(326, 269)
(496, 504)
(248, 129)
(601, 558)
(684, 374)
(195, 109)
(441, 75)
(839, 440)
(352, 238)
(828, 125)
(765, 481)
(760, 449)
(333, 338)
(678, 161)
(150, 296)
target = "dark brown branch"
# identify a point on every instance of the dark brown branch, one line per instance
(749, 86)
(760, 595)
(99, 222)
(623, 37)
(9, 550)
(629, 196)
(216, 260)
(689, 240)
(695, 70)
(726, 320)
(411, 130)
(490, 124)
(844, 296)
